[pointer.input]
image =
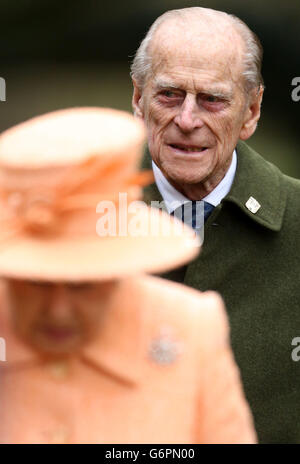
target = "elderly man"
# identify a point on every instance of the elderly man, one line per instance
(96, 351)
(198, 87)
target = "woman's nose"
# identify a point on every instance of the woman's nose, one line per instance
(60, 304)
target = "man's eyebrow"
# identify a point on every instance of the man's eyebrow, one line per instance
(163, 84)
(227, 95)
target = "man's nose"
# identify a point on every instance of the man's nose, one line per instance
(60, 304)
(188, 117)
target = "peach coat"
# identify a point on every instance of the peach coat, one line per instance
(161, 371)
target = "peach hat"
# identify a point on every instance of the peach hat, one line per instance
(70, 206)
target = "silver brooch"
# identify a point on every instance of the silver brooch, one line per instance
(164, 351)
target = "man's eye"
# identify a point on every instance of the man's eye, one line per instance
(169, 94)
(211, 99)
(212, 102)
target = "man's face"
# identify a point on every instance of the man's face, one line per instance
(58, 319)
(194, 106)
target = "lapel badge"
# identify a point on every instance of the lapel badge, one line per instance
(252, 205)
(164, 350)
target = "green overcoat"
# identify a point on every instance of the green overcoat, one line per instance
(252, 260)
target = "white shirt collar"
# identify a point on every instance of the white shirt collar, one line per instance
(173, 198)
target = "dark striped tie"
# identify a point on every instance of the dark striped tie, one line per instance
(194, 213)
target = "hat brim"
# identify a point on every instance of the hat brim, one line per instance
(101, 258)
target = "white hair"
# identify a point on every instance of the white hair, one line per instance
(252, 59)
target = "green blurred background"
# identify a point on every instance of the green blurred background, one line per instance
(57, 54)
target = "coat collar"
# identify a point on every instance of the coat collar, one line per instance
(118, 352)
(255, 177)
(119, 349)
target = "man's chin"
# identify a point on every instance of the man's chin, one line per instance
(182, 177)
(185, 172)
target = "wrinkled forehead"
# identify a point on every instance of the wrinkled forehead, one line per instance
(197, 46)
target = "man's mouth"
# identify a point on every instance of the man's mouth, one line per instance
(187, 148)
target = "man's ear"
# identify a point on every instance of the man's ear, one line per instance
(137, 101)
(252, 113)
